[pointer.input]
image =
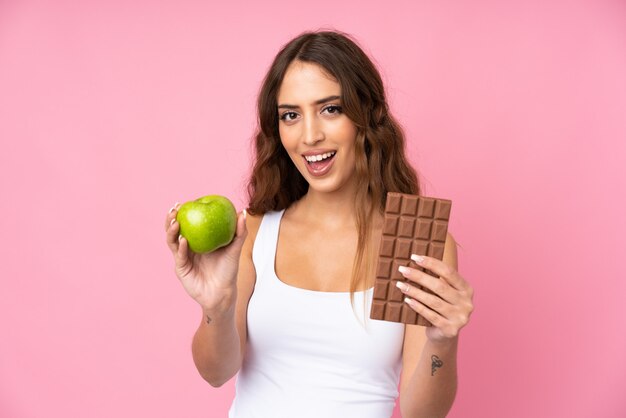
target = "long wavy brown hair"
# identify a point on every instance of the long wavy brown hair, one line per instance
(381, 165)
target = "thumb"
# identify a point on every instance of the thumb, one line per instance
(240, 234)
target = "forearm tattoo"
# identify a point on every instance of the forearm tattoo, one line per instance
(208, 319)
(436, 363)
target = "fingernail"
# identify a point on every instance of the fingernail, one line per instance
(244, 214)
(417, 258)
(401, 286)
(173, 220)
(403, 270)
(180, 237)
(172, 209)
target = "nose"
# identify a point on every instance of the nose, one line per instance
(313, 132)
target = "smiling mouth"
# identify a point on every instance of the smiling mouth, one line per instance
(319, 165)
(311, 159)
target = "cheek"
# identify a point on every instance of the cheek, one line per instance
(348, 136)
(285, 138)
(288, 135)
(289, 146)
(281, 133)
(346, 130)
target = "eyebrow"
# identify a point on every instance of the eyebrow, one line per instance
(317, 102)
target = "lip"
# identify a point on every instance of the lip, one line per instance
(323, 170)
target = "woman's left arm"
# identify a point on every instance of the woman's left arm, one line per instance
(429, 372)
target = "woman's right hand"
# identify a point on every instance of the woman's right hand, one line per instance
(210, 278)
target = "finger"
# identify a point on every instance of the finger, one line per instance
(423, 310)
(436, 285)
(171, 236)
(242, 229)
(171, 214)
(441, 269)
(182, 255)
(434, 302)
(234, 248)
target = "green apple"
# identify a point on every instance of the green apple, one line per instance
(207, 223)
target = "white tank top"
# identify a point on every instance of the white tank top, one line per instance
(307, 355)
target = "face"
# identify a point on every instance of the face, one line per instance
(317, 135)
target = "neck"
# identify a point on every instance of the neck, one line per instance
(333, 210)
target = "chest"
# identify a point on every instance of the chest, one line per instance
(315, 332)
(314, 259)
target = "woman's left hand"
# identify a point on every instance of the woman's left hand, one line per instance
(449, 308)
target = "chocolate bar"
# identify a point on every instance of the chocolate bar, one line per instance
(412, 225)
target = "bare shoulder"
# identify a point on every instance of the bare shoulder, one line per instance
(246, 276)
(253, 220)
(246, 279)
(252, 225)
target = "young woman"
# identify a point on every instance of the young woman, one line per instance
(278, 302)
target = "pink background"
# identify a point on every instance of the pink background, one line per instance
(112, 111)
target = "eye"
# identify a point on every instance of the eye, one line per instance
(333, 109)
(286, 116)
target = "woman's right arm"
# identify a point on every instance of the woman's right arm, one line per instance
(220, 342)
(222, 283)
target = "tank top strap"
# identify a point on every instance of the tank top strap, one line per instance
(264, 248)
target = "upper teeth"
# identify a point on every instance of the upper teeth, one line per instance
(311, 158)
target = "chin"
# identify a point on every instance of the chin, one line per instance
(328, 185)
